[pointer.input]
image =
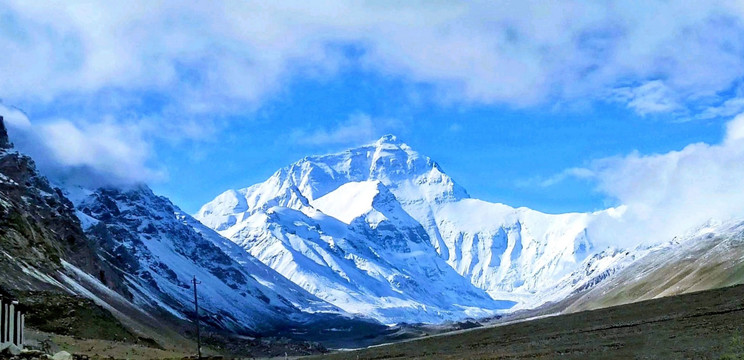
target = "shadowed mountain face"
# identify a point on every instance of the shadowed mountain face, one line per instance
(159, 249)
(38, 225)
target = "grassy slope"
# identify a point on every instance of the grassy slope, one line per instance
(702, 325)
(72, 315)
(699, 264)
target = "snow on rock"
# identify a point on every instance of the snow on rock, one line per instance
(158, 249)
(370, 268)
(349, 201)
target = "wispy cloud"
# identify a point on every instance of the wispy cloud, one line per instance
(648, 98)
(14, 118)
(580, 173)
(728, 108)
(357, 128)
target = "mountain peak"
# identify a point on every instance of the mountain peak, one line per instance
(388, 139)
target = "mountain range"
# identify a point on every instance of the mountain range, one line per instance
(136, 254)
(378, 229)
(344, 244)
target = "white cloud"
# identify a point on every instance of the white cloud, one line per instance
(665, 195)
(734, 131)
(358, 128)
(204, 59)
(728, 108)
(14, 118)
(228, 55)
(91, 154)
(648, 98)
(580, 173)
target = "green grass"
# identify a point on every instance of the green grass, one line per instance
(735, 350)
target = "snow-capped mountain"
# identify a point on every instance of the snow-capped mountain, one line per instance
(157, 249)
(134, 254)
(382, 230)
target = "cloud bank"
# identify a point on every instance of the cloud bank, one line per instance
(92, 154)
(207, 56)
(665, 195)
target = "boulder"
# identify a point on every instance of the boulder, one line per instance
(62, 355)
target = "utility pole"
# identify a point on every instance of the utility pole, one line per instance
(196, 316)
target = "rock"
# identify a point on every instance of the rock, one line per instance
(62, 355)
(11, 350)
(4, 142)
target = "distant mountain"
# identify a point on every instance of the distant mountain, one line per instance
(329, 247)
(708, 257)
(380, 229)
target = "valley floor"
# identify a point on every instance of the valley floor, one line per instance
(101, 349)
(702, 325)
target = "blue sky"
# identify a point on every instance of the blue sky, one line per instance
(498, 153)
(547, 105)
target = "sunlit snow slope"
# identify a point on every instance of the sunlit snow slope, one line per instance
(383, 231)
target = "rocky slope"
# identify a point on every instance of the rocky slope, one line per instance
(157, 250)
(710, 257)
(38, 225)
(45, 254)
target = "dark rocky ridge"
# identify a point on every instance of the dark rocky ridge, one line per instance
(38, 225)
(39, 230)
(4, 140)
